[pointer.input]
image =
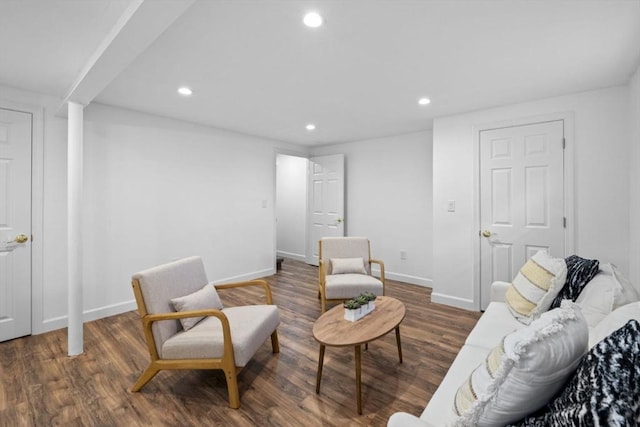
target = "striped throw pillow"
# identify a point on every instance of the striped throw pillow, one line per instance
(525, 371)
(535, 286)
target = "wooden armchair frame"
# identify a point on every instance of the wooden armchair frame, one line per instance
(226, 363)
(322, 278)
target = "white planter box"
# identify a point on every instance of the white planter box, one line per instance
(353, 314)
(357, 314)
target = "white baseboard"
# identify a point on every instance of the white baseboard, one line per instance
(465, 303)
(249, 276)
(297, 257)
(109, 310)
(60, 322)
(421, 281)
(414, 280)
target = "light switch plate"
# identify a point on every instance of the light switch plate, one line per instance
(451, 206)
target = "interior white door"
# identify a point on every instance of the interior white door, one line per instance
(15, 224)
(326, 201)
(521, 198)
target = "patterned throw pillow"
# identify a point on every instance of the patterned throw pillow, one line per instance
(605, 389)
(579, 272)
(535, 286)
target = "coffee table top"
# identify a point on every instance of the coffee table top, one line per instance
(334, 330)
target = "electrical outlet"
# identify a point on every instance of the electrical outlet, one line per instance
(403, 254)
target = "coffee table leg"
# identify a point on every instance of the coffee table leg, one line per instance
(320, 363)
(398, 341)
(358, 379)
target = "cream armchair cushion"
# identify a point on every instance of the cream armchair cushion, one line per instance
(345, 269)
(205, 298)
(344, 286)
(250, 326)
(347, 265)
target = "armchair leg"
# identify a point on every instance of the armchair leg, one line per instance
(146, 376)
(232, 388)
(275, 345)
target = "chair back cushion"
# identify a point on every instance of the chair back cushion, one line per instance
(344, 247)
(161, 284)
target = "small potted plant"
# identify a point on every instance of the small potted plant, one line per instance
(352, 310)
(371, 300)
(364, 303)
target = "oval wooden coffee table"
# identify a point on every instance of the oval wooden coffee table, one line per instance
(331, 329)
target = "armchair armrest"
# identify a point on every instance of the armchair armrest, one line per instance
(150, 318)
(498, 290)
(381, 264)
(257, 282)
(322, 272)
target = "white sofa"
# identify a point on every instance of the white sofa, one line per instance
(607, 303)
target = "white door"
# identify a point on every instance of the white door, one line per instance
(521, 198)
(326, 201)
(15, 224)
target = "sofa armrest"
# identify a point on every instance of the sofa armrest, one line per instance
(402, 419)
(498, 290)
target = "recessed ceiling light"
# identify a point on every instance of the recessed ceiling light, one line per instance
(185, 91)
(312, 19)
(310, 126)
(424, 101)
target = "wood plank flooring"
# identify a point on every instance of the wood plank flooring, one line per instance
(41, 386)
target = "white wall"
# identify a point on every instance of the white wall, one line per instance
(388, 199)
(634, 177)
(291, 205)
(601, 176)
(155, 189)
(158, 189)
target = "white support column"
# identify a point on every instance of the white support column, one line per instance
(74, 228)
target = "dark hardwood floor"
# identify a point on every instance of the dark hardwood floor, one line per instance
(41, 386)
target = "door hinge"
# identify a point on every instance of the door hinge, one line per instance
(564, 221)
(564, 143)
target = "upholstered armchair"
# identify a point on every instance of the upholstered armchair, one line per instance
(186, 326)
(345, 269)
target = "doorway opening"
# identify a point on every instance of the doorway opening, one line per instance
(291, 206)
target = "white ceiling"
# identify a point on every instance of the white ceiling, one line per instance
(44, 44)
(256, 69)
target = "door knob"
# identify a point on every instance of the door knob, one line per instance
(20, 238)
(486, 233)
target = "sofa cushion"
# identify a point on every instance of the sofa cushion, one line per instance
(597, 298)
(608, 290)
(613, 321)
(495, 323)
(628, 292)
(347, 265)
(525, 371)
(439, 410)
(579, 272)
(203, 299)
(604, 390)
(535, 286)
